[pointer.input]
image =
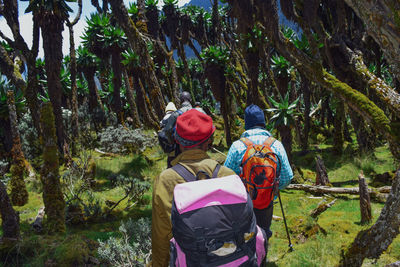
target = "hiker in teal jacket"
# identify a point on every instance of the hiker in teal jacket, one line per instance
(255, 132)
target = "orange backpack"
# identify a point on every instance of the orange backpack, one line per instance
(259, 172)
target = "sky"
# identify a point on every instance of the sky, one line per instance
(25, 21)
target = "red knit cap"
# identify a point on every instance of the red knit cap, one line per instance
(193, 128)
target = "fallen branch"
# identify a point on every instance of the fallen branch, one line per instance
(105, 153)
(378, 194)
(322, 206)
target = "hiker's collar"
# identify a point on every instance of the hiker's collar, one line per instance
(190, 155)
(255, 131)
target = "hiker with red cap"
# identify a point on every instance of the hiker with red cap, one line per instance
(194, 131)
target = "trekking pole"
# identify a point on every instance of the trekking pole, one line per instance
(284, 220)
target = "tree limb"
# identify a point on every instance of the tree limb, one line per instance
(380, 18)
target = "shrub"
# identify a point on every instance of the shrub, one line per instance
(125, 140)
(29, 138)
(132, 248)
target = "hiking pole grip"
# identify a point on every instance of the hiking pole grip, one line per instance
(284, 220)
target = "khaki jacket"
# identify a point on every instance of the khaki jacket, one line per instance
(163, 189)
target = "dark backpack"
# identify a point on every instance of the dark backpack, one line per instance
(166, 134)
(213, 223)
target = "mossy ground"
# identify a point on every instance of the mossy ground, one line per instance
(316, 242)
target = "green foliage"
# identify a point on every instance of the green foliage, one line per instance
(101, 37)
(85, 59)
(255, 38)
(151, 3)
(132, 248)
(284, 112)
(280, 66)
(170, 2)
(18, 96)
(216, 55)
(133, 9)
(59, 7)
(131, 59)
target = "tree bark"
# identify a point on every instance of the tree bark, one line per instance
(9, 219)
(371, 243)
(365, 202)
(322, 174)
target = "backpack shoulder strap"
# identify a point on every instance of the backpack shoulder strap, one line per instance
(184, 173)
(246, 141)
(270, 140)
(216, 170)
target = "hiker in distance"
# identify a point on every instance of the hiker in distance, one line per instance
(166, 134)
(257, 147)
(194, 131)
(169, 109)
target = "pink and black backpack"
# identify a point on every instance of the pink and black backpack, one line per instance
(213, 223)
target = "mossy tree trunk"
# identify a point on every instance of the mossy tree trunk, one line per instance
(144, 110)
(95, 103)
(286, 136)
(371, 243)
(52, 26)
(52, 195)
(365, 137)
(138, 44)
(254, 96)
(305, 87)
(339, 119)
(73, 71)
(216, 78)
(117, 83)
(187, 75)
(19, 194)
(9, 218)
(131, 100)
